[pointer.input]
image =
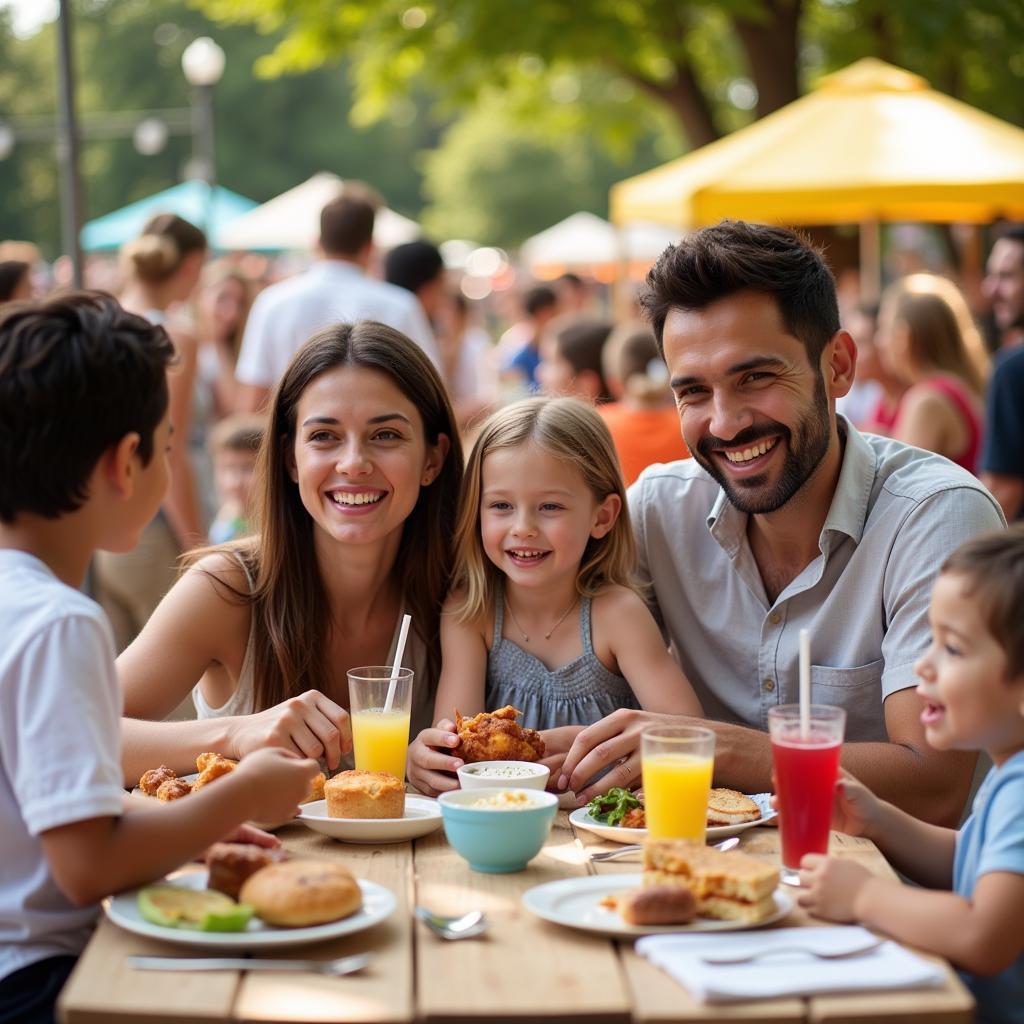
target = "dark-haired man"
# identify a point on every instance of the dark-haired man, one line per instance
(787, 518)
(335, 288)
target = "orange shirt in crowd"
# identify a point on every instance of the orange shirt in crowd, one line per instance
(643, 436)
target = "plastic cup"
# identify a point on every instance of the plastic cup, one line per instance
(806, 768)
(677, 762)
(380, 738)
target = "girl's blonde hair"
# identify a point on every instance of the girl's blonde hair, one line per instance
(566, 429)
(942, 332)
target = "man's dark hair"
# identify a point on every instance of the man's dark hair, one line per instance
(734, 256)
(346, 225)
(77, 373)
(538, 298)
(412, 265)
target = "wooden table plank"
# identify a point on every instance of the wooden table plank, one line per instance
(380, 994)
(522, 967)
(103, 988)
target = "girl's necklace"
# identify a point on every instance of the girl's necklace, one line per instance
(547, 635)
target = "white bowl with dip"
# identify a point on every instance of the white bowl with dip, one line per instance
(518, 774)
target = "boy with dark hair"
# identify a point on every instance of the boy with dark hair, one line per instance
(84, 434)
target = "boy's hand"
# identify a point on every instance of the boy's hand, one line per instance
(253, 836)
(831, 887)
(855, 810)
(430, 766)
(310, 725)
(278, 782)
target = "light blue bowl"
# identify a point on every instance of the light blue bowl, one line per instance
(497, 840)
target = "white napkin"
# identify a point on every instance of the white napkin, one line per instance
(890, 966)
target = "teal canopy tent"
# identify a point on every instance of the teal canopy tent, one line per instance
(191, 200)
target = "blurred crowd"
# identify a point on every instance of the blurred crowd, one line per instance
(931, 370)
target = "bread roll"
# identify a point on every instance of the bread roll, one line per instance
(658, 905)
(359, 794)
(299, 893)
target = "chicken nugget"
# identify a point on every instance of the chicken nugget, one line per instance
(152, 780)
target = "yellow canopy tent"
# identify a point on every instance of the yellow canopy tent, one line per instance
(871, 143)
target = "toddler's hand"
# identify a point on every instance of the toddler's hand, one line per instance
(831, 887)
(431, 766)
(855, 810)
(278, 781)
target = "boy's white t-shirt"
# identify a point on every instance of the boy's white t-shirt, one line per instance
(60, 750)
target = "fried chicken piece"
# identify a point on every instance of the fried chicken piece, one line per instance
(151, 780)
(496, 736)
(635, 818)
(212, 766)
(173, 789)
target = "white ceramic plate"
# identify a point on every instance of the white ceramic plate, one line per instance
(123, 910)
(576, 903)
(422, 815)
(617, 834)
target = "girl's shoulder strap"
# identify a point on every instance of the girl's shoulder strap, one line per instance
(586, 626)
(499, 615)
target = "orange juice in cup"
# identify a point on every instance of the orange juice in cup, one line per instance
(380, 737)
(677, 765)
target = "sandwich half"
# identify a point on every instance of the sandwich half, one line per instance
(727, 886)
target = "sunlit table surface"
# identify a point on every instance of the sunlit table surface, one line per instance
(523, 969)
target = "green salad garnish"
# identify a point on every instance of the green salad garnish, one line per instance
(613, 806)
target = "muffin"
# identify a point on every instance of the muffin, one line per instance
(359, 794)
(300, 893)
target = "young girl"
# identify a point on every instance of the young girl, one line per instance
(543, 615)
(972, 687)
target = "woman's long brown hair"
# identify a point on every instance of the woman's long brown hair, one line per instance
(289, 604)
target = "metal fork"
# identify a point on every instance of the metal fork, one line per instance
(622, 851)
(335, 968)
(724, 961)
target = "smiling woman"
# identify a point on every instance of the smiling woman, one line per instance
(359, 463)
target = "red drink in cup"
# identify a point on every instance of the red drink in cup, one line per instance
(806, 767)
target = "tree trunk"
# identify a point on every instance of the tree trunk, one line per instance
(685, 98)
(771, 46)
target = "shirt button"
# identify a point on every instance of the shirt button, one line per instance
(775, 618)
(768, 685)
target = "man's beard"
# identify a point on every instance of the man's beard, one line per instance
(751, 495)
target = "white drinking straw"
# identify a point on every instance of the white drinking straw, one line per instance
(403, 635)
(805, 684)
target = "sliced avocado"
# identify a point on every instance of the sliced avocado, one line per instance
(201, 909)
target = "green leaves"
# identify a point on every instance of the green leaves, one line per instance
(613, 806)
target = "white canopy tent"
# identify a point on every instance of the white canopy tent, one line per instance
(291, 221)
(584, 241)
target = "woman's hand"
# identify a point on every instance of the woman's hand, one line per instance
(430, 765)
(310, 725)
(831, 886)
(557, 744)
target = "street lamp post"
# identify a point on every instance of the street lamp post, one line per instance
(203, 64)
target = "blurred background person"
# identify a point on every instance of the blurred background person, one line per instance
(234, 444)
(418, 267)
(15, 281)
(643, 420)
(928, 341)
(519, 366)
(467, 361)
(222, 308)
(874, 407)
(162, 268)
(570, 351)
(1004, 285)
(337, 288)
(574, 294)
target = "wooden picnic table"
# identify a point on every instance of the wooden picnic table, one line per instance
(522, 969)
